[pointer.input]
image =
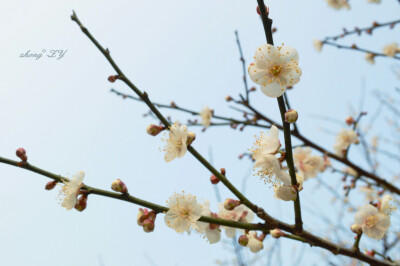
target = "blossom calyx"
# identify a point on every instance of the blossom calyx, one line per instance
(291, 116)
(243, 240)
(191, 136)
(154, 130)
(119, 186)
(81, 204)
(231, 204)
(148, 225)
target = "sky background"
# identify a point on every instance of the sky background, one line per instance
(62, 113)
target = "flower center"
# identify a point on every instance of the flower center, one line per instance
(371, 221)
(276, 70)
(186, 212)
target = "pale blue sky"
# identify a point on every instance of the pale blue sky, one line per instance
(62, 113)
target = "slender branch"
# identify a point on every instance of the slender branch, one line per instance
(354, 47)
(375, 25)
(357, 242)
(267, 22)
(246, 87)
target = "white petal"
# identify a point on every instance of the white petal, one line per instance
(274, 89)
(289, 54)
(264, 54)
(257, 75)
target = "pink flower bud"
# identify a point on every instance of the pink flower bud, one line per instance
(119, 186)
(291, 116)
(154, 130)
(81, 203)
(142, 215)
(349, 120)
(21, 153)
(191, 136)
(223, 171)
(370, 253)
(50, 185)
(214, 180)
(148, 225)
(243, 240)
(112, 78)
(276, 233)
(231, 204)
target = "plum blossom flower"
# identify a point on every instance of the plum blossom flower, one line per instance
(373, 223)
(255, 244)
(391, 49)
(176, 144)
(240, 214)
(183, 212)
(338, 4)
(285, 191)
(318, 45)
(213, 233)
(306, 163)
(70, 190)
(386, 206)
(370, 57)
(344, 139)
(275, 68)
(264, 150)
(206, 115)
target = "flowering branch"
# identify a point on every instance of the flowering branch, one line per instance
(267, 22)
(356, 48)
(368, 30)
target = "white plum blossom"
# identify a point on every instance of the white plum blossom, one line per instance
(264, 150)
(285, 191)
(370, 57)
(391, 49)
(206, 115)
(183, 212)
(213, 234)
(386, 206)
(338, 4)
(309, 165)
(317, 45)
(274, 69)
(344, 139)
(240, 214)
(176, 144)
(373, 223)
(254, 243)
(70, 189)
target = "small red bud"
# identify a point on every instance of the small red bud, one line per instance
(21, 153)
(223, 171)
(350, 120)
(50, 185)
(214, 180)
(112, 78)
(231, 204)
(148, 225)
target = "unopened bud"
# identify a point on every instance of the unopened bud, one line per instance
(112, 78)
(223, 171)
(50, 185)
(276, 233)
(81, 204)
(350, 120)
(119, 186)
(370, 253)
(142, 215)
(231, 204)
(253, 89)
(228, 98)
(214, 180)
(173, 105)
(259, 12)
(243, 240)
(21, 153)
(148, 225)
(356, 229)
(154, 130)
(291, 116)
(191, 136)
(213, 226)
